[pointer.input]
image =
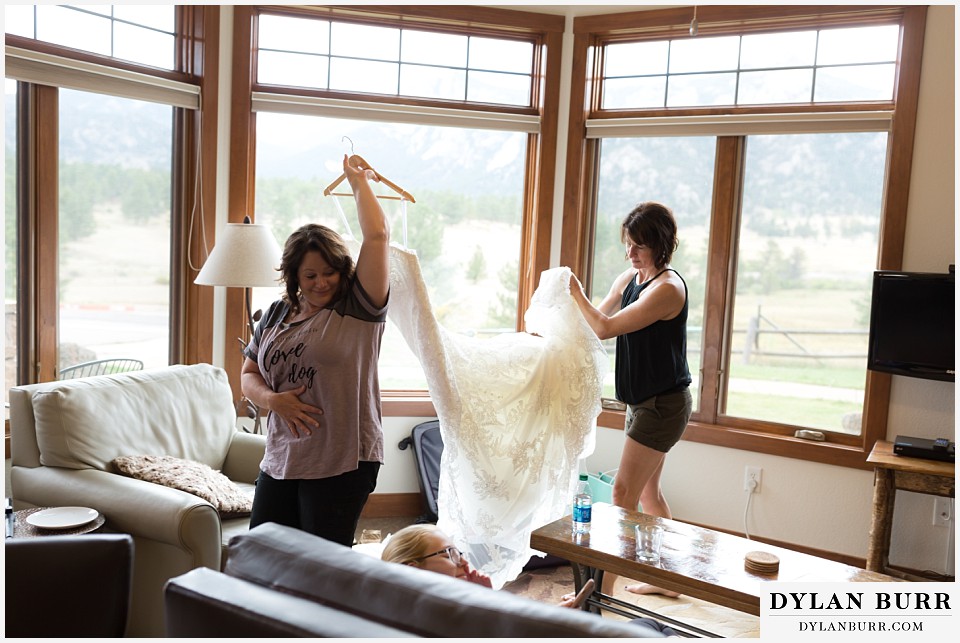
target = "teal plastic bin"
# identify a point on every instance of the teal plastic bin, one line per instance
(601, 486)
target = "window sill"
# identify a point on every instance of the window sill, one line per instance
(410, 404)
(841, 455)
(787, 446)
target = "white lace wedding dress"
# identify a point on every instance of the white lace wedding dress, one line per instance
(516, 414)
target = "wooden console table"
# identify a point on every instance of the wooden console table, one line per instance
(694, 561)
(892, 472)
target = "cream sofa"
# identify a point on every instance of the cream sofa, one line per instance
(65, 434)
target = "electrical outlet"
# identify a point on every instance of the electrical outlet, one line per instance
(752, 474)
(942, 512)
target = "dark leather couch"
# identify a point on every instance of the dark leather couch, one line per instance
(68, 586)
(279, 581)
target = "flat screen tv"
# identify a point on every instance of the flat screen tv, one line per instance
(912, 327)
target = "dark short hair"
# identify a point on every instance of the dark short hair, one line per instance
(652, 224)
(319, 238)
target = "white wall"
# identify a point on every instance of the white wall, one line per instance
(399, 471)
(919, 407)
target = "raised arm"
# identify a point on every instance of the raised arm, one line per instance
(373, 264)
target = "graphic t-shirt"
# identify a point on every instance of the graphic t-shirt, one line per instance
(334, 355)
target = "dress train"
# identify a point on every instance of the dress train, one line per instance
(517, 412)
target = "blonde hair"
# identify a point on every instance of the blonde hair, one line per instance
(409, 544)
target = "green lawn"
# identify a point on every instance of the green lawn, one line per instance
(826, 415)
(835, 376)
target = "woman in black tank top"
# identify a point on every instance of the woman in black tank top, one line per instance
(646, 310)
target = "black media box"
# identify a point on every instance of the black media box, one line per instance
(923, 448)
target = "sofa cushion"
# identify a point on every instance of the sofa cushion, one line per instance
(192, 477)
(207, 604)
(182, 411)
(414, 600)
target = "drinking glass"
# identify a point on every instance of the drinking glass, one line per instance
(649, 538)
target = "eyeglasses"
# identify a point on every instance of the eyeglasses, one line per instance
(451, 552)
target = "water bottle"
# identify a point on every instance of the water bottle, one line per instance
(582, 506)
(10, 517)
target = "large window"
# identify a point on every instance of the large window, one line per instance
(114, 229)
(137, 33)
(396, 61)
(807, 245)
(465, 225)
(775, 146)
(11, 354)
(808, 238)
(811, 65)
(462, 132)
(677, 172)
(101, 139)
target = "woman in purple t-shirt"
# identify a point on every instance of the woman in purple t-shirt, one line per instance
(312, 363)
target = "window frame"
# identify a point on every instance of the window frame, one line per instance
(590, 33)
(540, 165)
(194, 138)
(194, 144)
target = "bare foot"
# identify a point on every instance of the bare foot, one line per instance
(647, 588)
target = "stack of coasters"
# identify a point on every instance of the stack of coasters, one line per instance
(761, 562)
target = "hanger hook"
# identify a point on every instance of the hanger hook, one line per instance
(351, 143)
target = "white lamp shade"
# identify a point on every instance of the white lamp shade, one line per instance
(246, 256)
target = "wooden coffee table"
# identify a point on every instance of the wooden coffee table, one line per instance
(694, 561)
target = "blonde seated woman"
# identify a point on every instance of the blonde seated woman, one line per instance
(427, 547)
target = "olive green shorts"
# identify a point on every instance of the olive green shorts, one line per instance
(659, 422)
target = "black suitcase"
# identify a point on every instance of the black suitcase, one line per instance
(427, 446)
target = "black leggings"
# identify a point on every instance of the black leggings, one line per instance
(327, 507)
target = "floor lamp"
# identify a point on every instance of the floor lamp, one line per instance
(245, 256)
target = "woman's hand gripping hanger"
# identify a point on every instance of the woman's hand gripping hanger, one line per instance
(359, 162)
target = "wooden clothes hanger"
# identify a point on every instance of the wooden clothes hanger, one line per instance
(359, 162)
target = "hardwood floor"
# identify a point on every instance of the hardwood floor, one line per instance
(385, 525)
